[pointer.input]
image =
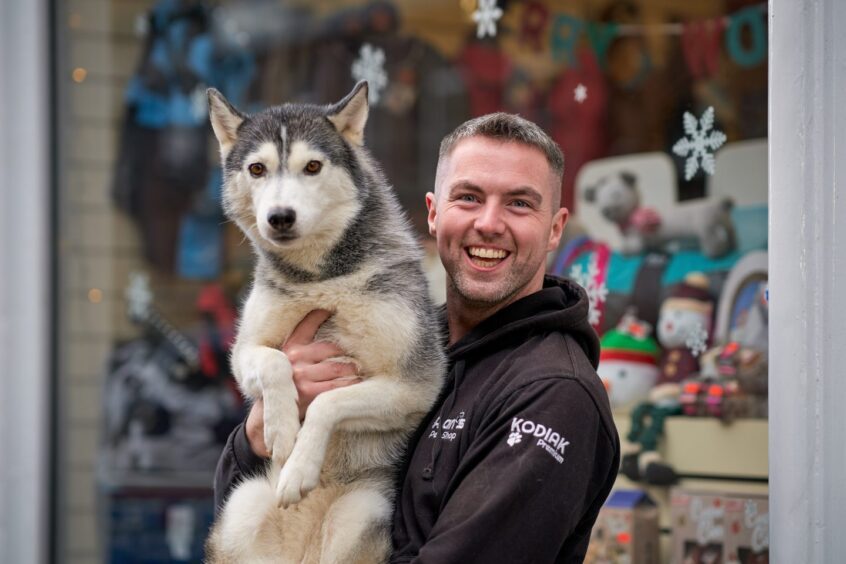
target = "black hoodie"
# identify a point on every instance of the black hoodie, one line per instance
(515, 461)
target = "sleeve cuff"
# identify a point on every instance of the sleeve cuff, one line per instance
(248, 462)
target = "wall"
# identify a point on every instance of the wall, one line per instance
(98, 246)
(99, 46)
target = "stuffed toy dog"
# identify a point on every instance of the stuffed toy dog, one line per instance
(703, 223)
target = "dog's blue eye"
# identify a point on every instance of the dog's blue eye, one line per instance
(313, 167)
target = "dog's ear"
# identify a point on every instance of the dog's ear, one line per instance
(629, 178)
(349, 116)
(225, 120)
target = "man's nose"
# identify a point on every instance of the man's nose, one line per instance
(490, 221)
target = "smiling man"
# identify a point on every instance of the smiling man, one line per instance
(515, 461)
(520, 451)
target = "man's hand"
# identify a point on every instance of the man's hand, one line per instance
(313, 374)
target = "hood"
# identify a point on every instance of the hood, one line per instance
(562, 306)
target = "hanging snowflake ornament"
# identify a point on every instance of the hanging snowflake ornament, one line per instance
(597, 293)
(696, 339)
(486, 16)
(138, 295)
(370, 66)
(580, 93)
(699, 143)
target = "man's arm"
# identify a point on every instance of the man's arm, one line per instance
(237, 461)
(531, 483)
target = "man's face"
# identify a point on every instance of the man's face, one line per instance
(493, 220)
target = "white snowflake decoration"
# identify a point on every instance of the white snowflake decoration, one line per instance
(370, 66)
(597, 293)
(486, 16)
(696, 339)
(699, 145)
(514, 438)
(580, 93)
(138, 295)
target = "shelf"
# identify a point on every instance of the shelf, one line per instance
(706, 447)
(113, 480)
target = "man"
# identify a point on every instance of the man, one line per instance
(519, 453)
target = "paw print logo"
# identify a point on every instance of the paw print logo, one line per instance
(514, 438)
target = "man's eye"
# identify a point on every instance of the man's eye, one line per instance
(257, 169)
(467, 198)
(521, 204)
(313, 167)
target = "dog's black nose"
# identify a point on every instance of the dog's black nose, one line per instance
(281, 219)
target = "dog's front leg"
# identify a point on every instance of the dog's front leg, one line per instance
(377, 404)
(267, 372)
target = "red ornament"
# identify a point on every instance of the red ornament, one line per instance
(535, 18)
(701, 43)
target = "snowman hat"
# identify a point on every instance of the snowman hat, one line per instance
(691, 294)
(630, 342)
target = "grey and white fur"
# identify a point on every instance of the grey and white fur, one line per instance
(328, 234)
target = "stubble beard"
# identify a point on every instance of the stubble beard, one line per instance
(479, 295)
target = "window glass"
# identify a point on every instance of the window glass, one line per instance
(660, 108)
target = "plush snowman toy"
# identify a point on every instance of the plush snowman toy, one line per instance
(628, 362)
(684, 325)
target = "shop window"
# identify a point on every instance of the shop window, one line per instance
(660, 108)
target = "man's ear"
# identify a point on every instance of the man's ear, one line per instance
(349, 116)
(430, 205)
(559, 221)
(225, 120)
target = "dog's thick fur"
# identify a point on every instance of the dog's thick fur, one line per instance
(344, 245)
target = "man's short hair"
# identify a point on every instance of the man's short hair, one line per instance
(509, 128)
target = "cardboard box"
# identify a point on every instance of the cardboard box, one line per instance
(626, 530)
(719, 528)
(747, 530)
(698, 523)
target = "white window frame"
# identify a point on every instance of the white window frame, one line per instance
(25, 308)
(807, 242)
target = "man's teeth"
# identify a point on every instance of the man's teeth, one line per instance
(487, 253)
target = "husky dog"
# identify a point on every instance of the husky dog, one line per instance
(329, 234)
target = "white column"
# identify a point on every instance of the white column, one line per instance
(25, 163)
(807, 281)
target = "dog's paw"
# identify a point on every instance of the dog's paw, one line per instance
(297, 478)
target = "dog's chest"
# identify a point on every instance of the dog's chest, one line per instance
(376, 329)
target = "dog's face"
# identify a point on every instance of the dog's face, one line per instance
(616, 196)
(291, 175)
